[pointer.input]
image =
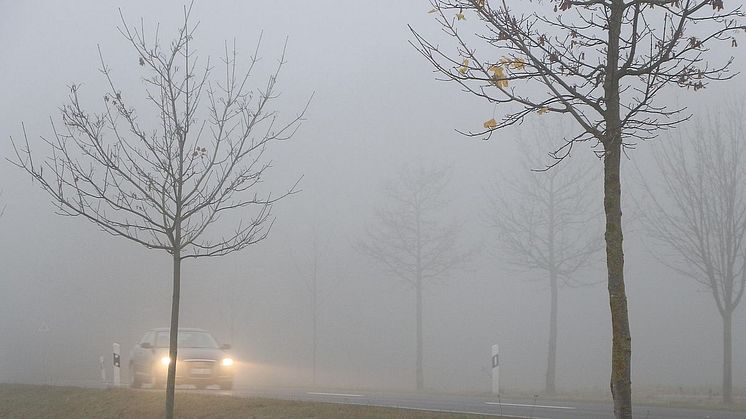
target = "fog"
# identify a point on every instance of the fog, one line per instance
(68, 291)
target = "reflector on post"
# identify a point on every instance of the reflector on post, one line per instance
(116, 364)
(495, 369)
(102, 368)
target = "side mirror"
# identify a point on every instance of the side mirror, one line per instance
(146, 345)
(225, 346)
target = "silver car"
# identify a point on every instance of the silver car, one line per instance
(200, 361)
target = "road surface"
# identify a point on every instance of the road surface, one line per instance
(483, 405)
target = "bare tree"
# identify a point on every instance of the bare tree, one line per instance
(544, 222)
(168, 187)
(309, 270)
(314, 285)
(234, 300)
(700, 213)
(408, 240)
(601, 62)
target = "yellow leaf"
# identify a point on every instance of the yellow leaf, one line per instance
(496, 70)
(491, 124)
(464, 66)
(501, 83)
(433, 10)
(460, 16)
(542, 110)
(518, 64)
(498, 78)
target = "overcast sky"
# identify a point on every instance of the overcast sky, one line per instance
(376, 107)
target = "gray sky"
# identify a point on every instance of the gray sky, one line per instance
(376, 107)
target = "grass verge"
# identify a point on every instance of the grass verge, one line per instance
(29, 401)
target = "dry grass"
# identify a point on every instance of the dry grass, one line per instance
(26, 401)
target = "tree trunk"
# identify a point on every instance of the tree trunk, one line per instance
(553, 289)
(727, 357)
(418, 286)
(552, 353)
(420, 378)
(621, 351)
(315, 317)
(621, 347)
(173, 335)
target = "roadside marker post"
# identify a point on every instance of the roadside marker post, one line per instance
(44, 330)
(116, 364)
(101, 367)
(495, 369)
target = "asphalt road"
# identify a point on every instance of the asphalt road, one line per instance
(483, 405)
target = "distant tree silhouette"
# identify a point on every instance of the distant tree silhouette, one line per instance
(544, 221)
(407, 239)
(700, 213)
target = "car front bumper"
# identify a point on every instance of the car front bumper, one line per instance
(198, 372)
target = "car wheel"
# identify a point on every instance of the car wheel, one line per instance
(156, 382)
(134, 380)
(159, 384)
(226, 386)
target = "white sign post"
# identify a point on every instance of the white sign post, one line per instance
(44, 330)
(101, 367)
(116, 364)
(495, 369)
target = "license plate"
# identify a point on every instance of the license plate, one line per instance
(201, 371)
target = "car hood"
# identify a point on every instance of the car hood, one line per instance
(197, 353)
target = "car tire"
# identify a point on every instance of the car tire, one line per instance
(226, 386)
(134, 380)
(159, 384)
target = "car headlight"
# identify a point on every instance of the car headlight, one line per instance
(165, 360)
(227, 362)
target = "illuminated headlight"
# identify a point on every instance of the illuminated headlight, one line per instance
(165, 360)
(227, 362)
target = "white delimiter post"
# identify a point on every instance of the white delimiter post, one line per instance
(495, 369)
(116, 365)
(101, 367)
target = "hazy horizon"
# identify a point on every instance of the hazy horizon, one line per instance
(377, 108)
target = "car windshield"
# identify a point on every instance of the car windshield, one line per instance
(187, 339)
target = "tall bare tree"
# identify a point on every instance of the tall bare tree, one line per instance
(544, 222)
(314, 289)
(700, 213)
(604, 64)
(309, 270)
(167, 187)
(410, 242)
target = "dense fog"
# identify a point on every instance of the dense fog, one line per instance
(68, 290)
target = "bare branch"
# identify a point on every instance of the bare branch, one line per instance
(406, 238)
(705, 222)
(544, 220)
(164, 187)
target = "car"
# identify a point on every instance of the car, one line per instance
(200, 360)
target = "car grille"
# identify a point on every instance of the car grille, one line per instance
(199, 368)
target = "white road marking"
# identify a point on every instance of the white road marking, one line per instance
(422, 409)
(531, 405)
(463, 412)
(335, 394)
